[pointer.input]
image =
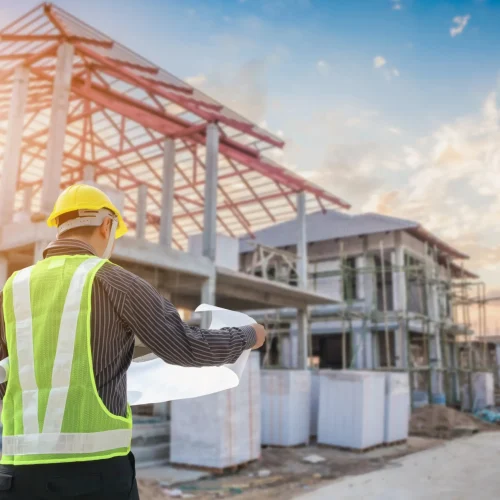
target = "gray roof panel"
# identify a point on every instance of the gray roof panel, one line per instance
(327, 226)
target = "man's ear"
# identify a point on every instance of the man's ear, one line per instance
(105, 227)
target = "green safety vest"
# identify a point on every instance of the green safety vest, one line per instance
(52, 411)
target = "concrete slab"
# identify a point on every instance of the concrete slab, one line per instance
(168, 476)
(459, 470)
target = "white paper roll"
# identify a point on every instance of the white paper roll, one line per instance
(151, 380)
(4, 370)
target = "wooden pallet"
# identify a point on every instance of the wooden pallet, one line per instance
(353, 450)
(300, 445)
(216, 471)
(396, 443)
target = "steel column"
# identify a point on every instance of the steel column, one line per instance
(167, 193)
(57, 129)
(12, 153)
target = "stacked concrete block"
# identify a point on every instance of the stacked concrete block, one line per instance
(483, 392)
(219, 430)
(397, 407)
(285, 407)
(351, 409)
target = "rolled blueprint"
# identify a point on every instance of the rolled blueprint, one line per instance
(4, 370)
(151, 380)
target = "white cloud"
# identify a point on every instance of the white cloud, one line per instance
(379, 62)
(226, 19)
(197, 81)
(395, 130)
(323, 67)
(460, 24)
(396, 5)
(395, 72)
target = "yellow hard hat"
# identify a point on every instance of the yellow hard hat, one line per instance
(84, 197)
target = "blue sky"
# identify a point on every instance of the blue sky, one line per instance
(391, 104)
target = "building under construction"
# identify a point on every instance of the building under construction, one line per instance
(404, 301)
(213, 219)
(76, 106)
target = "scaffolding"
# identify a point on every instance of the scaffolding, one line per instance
(449, 329)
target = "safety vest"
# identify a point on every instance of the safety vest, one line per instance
(52, 411)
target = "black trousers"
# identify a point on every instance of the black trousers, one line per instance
(112, 479)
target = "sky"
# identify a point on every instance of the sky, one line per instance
(390, 104)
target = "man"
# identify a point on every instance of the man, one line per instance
(68, 326)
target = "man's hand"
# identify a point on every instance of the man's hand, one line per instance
(261, 335)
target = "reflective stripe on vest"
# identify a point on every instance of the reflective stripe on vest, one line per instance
(51, 440)
(61, 444)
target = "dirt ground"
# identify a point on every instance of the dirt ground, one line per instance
(445, 423)
(289, 474)
(282, 473)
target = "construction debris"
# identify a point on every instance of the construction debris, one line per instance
(314, 459)
(444, 423)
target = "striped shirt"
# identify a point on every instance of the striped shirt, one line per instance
(124, 306)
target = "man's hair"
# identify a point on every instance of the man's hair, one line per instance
(81, 232)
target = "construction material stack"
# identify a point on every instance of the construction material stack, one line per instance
(351, 409)
(285, 407)
(397, 407)
(483, 392)
(221, 430)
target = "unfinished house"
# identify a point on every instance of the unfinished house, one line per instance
(190, 175)
(402, 298)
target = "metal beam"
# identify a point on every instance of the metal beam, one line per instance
(12, 155)
(58, 119)
(167, 193)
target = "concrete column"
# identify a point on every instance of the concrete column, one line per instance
(436, 355)
(4, 271)
(167, 193)
(303, 329)
(142, 211)
(12, 150)
(376, 350)
(211, 176)
(366, 290)
(207, 297)
(57, 129)
(302, 263)
(27, 197)
(210, 214)
(400, 305)
(302, 272)
(40, 246)
(89, 174)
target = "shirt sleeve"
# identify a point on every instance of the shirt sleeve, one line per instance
(3, 344)
(156, 322)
